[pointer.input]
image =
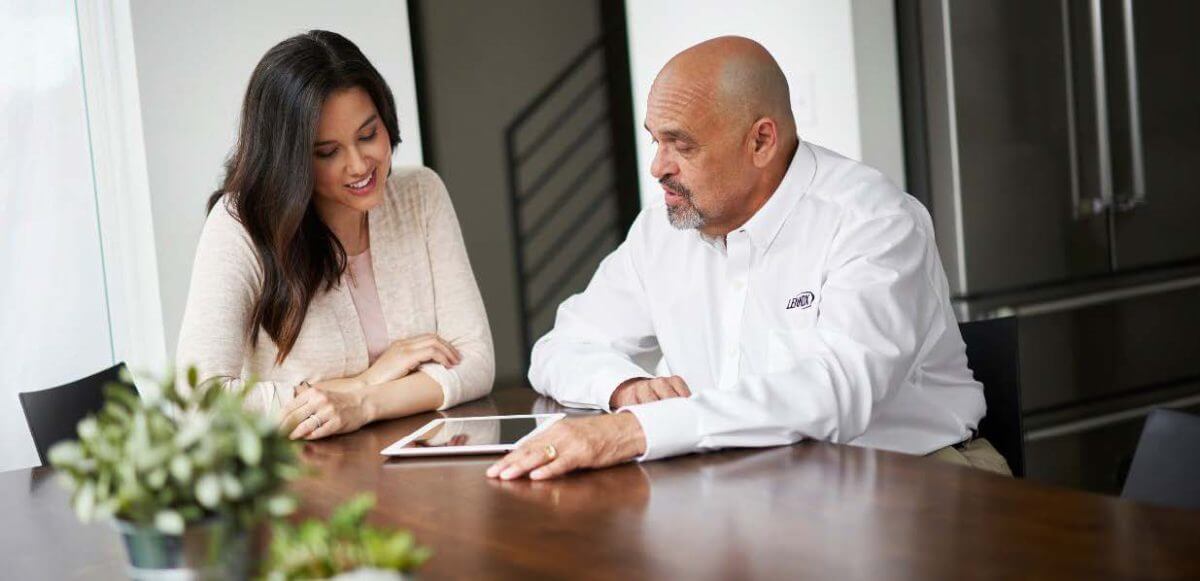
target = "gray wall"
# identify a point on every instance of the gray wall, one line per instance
(484, 61)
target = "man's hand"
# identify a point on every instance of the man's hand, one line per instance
(574, 443)
(327, 408)
(643, 390)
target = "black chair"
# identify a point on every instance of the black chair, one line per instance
(52, 414)
(993, 356)
(1166, 464)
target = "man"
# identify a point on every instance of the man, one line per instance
(793, 293)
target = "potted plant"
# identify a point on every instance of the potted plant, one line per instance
(184, 474)
(345, 548)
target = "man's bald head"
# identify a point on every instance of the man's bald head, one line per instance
(738, 77)
(722, 117)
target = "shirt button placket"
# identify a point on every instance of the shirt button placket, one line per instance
(737, 271)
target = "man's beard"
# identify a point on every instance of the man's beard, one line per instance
(685, 216)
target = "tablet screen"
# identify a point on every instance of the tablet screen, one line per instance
(475, 432)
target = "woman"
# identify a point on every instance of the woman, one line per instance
(342, 286)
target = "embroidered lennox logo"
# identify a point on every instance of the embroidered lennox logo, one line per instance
(801, 301)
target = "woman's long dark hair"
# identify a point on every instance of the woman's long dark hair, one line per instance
(269, 175)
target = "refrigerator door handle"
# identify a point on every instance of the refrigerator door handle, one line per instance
(1060, 305)
(1080, 209)
(1137, 195)
(1103, 144)
(1117, 417)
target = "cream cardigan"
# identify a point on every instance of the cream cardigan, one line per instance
(425, 285)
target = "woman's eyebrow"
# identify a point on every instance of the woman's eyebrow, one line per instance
(364, 124)
(368, 121)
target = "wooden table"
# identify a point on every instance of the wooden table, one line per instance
(806, 511)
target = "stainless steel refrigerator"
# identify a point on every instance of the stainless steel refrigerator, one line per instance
(1057, 144)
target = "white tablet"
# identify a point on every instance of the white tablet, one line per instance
(479, 435)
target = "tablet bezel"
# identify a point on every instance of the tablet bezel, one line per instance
(397, 448)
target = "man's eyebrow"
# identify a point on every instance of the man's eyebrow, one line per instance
(364, 124)
(673, 134)
(677, 135)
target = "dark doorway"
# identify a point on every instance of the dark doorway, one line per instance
(526, 112)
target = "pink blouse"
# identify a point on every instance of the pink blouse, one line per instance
(366, 301)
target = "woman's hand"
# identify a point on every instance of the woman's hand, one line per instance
(327, 408)
(405, 355)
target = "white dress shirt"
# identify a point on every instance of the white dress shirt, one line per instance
(824, 316)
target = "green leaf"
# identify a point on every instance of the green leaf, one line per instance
(266, 426)
(88, 428)
(181, 469)
(85, 501)
(169, 522)
(157, 478)
(122, 395)
(106, 510)
(208, 491)
(281, 505)
(231, 486)
(249, 445)
(210, 394)
(352, 513)
(192, 378)
(66, 453)
(191, 513)
(137, 447)
(254, 480)
(191, 429)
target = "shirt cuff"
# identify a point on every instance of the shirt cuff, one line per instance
(606, 382)
(672, 427)
(451, 394)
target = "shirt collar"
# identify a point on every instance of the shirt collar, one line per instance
(766, 223)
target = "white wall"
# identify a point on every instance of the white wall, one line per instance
(830, 50)
(54, 322)
(194, 60)
(877, 75)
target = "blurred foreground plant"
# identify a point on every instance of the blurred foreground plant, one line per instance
(178, 457)
(317, 550)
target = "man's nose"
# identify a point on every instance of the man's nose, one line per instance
(660, 167)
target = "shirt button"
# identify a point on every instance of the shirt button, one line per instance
(738, 284)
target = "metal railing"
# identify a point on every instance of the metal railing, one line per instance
(563, 187)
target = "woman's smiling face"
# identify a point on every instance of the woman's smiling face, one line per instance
(351, 154)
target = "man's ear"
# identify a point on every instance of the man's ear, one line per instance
(764, 137)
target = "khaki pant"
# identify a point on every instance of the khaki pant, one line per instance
(978, 453)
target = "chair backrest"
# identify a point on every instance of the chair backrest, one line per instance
(52, 414)
(1166, 465)
(993, 356)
